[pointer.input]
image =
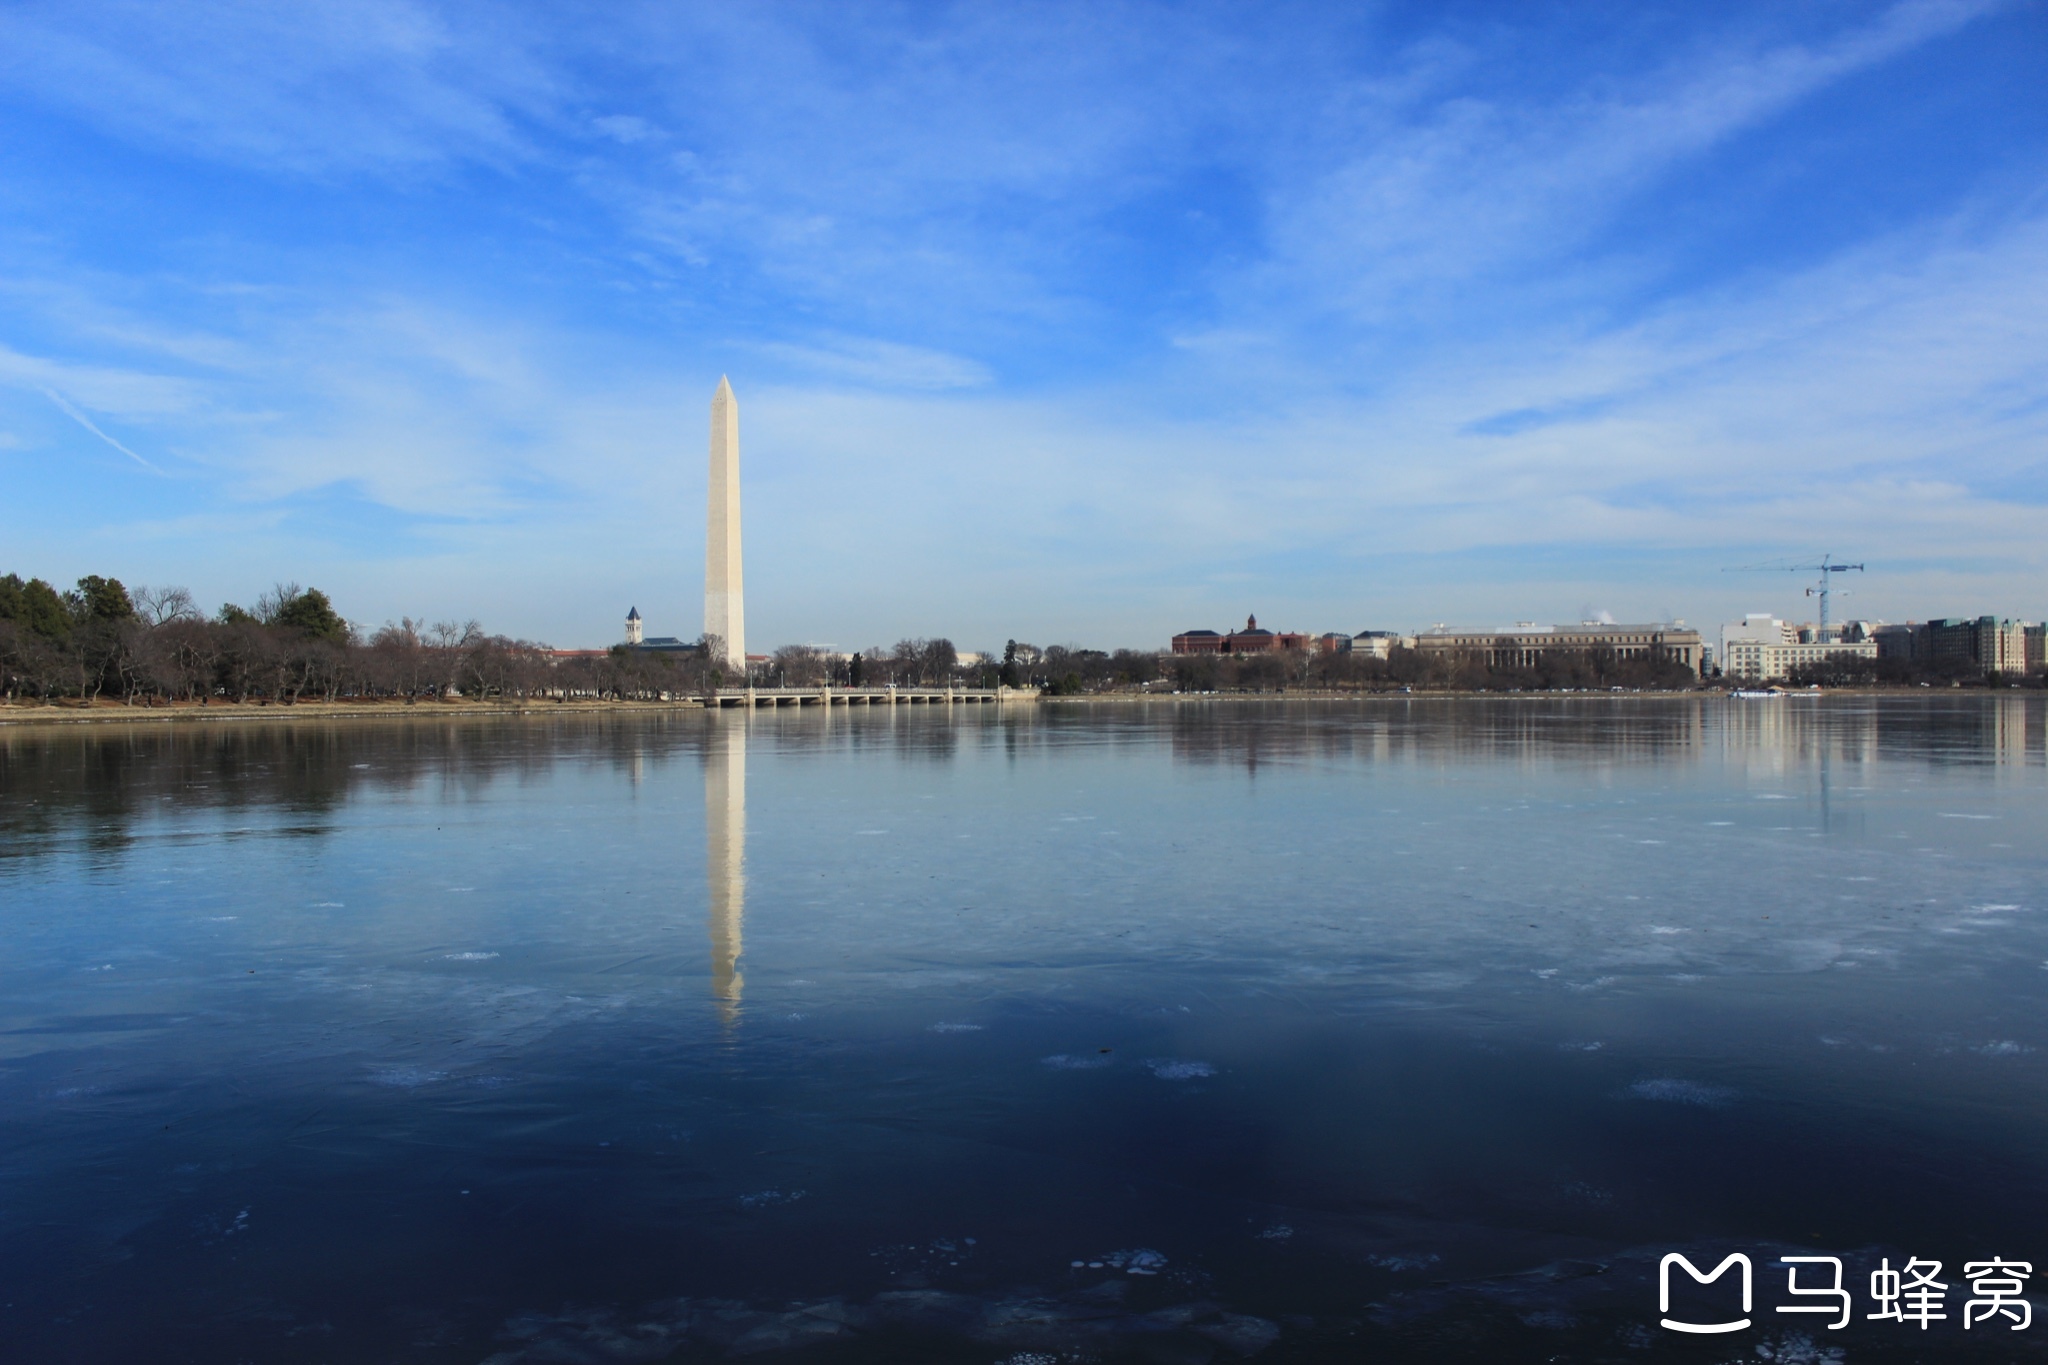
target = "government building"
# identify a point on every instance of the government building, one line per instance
(1250, 640)
(1525, 645)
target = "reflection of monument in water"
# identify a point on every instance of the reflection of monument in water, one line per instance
(725, 871)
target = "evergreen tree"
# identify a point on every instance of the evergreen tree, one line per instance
(99, 599)
(35, 607)
(312, 612)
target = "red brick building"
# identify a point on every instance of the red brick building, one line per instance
(1250, 640)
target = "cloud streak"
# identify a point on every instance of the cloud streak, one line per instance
(75, 415)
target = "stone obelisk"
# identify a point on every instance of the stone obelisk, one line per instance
(725, 614)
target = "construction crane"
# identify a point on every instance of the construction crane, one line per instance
(1824, 566)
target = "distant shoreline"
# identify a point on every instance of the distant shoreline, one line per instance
(188, 714)
(114, 713)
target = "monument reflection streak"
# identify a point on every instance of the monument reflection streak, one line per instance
(725, 870)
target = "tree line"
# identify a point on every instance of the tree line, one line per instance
(1851, 670)
(100, 639)
(152, 645)
(1078, 671)
(144, 646)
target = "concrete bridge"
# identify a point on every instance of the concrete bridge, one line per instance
(868, 696)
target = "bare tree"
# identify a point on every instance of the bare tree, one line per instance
(29, 662)
(271, 605)
(445, 642)
(400, 659)
(161, 606)
(801, 666)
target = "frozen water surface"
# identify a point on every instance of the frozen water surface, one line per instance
(1405, 1030)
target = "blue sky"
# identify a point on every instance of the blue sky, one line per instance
(1080, 323)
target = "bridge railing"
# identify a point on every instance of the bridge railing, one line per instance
(866, 696)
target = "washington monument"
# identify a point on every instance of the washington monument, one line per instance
(725, 611)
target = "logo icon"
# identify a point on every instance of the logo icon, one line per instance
(1664, 1291)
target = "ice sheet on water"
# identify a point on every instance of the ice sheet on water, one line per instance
(1063, 1062)
(1023, 1329)
(955, 1028)
(1670, 1090)
(930, 1258)
(469, 957)
(766, 1199)
(405, 1077)
(1170, 1069)
(1794, 1349)
(2001, 1047)
(1137, 1261)
(1405, 1261)
(214, 1228)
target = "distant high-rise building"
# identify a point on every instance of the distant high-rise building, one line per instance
(725, 617)
(633, 632)
(1987, 643)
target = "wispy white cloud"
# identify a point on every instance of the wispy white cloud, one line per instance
(884, 364)
(1485, 188)
(625, 128)
(132, 392)
(323, 87)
